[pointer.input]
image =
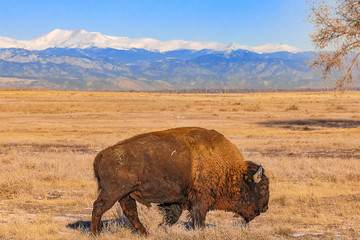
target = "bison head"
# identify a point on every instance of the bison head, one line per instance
(254, 195)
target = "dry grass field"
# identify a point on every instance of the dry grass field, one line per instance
(309, 144)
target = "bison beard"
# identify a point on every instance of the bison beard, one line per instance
(179, 169)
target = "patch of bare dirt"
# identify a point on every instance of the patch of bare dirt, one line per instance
(312, 124)
(346, 154)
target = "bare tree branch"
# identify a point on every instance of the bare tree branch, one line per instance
(337, 36)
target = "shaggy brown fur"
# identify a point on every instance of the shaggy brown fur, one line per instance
(182, 168)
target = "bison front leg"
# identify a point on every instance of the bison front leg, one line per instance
(199, 206)
(197, 215)
(128, 205)
(101, 205)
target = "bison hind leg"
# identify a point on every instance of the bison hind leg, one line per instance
(104, 202)
(171, 213)
(128, 205)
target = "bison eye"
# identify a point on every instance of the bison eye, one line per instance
(249, 181)
(263, 189)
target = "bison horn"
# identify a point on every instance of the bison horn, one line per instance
(258, 174)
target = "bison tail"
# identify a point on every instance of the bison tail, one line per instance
(96, 169)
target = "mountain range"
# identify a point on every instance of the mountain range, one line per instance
(80, 60)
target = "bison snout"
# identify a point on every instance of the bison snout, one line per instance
(248, 219)
(264, 209)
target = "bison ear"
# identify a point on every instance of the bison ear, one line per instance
(258, 174)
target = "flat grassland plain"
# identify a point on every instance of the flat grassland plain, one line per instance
(309, 144)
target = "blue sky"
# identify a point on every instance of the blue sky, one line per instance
(246, 22)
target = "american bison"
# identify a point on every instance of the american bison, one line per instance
(188, 168)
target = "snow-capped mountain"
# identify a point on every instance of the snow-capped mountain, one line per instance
(83, 39)
(80, 60)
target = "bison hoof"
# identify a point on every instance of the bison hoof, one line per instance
(94, 233)
(143, 232)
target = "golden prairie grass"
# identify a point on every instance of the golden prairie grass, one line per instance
(307, 142)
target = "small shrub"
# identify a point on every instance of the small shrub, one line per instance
(253, 108)
(336, 108)
(8, 190)
(281, 201)
(284, 231)
(51, 178)
(292, 108)
(339, 107)
(12, 188)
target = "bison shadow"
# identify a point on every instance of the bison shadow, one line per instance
(123, 222)
(308, 123)
(85, 225)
